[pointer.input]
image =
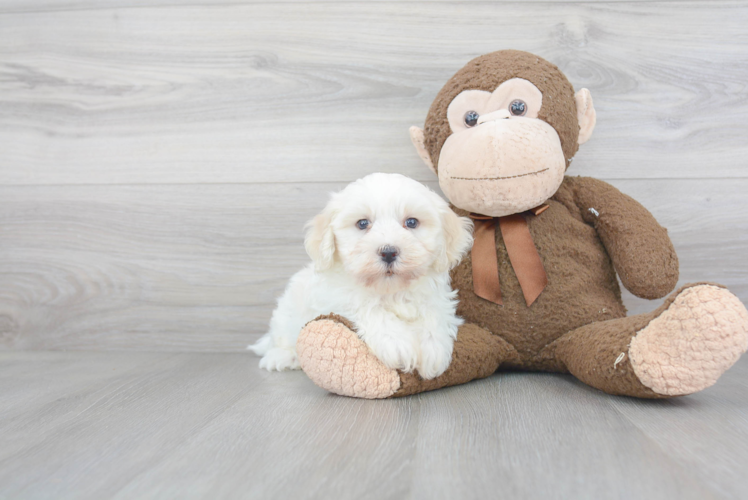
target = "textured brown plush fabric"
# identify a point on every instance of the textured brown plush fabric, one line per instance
(580, 252)
(477, 354)
(490, 70)
(582, 286)
(629, 233)
(598, 354)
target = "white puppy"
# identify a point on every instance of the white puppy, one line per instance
(381, 253)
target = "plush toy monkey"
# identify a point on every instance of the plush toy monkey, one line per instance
(538, 290)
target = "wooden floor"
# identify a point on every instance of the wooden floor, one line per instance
(197, 425)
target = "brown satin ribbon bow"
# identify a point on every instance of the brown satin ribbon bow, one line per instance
(522, 255)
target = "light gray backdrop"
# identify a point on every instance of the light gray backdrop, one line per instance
(158, 158)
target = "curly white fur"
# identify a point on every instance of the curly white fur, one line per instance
(404, 310)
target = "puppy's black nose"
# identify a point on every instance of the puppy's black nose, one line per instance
(389, 254)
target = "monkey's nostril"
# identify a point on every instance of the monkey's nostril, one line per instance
(389, 254)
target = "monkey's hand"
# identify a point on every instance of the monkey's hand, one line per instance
(641, 251)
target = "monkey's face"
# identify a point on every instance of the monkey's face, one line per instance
(501, 158)
(502, 131)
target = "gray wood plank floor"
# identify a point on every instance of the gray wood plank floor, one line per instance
(198, 425)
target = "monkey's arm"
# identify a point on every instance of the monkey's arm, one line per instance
(639, 247)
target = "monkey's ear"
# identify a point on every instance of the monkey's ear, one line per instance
(320, 240)
(418, 140)
(586, 115)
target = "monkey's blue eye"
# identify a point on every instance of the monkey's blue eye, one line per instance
(518, 108)
(411, 223)
(471, 118)
(363, 224)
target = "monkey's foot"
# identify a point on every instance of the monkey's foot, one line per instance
(695, 340)
(333, 356)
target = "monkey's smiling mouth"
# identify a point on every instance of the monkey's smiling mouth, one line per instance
(498, 178)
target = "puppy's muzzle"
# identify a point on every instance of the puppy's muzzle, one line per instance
(389, 254)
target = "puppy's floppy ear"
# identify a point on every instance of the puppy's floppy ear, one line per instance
(320, 240)
(458, 236)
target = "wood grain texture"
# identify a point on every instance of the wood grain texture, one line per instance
(21, 6)
(198, 268)
(716, 419)
(159, 425)
(158, 160)
(320, 91)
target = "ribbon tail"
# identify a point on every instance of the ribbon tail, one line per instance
(485, 262)
(523, 256)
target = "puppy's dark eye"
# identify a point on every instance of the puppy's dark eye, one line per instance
(518, 108)
(411, 223)
(363, 224)
(471, 118)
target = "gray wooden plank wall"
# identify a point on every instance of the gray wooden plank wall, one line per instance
(158, 159)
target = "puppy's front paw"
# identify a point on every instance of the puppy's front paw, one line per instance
(395, 352)
(435, 357)
(280, 359)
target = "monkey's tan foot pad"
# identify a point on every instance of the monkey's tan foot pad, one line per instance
(694, 341)
(337, 360)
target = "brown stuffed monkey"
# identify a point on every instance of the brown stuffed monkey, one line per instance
(539, 290)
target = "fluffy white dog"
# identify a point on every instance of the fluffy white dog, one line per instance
(381, 253)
